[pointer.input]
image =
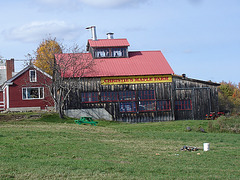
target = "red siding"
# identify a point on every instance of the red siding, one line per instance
(15, 91)
(1, 95)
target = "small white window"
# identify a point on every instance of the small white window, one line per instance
(33, 93)
(33, 76)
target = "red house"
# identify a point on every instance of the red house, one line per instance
(27, 91)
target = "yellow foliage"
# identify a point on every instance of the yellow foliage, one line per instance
(45, 55)
(229, 97)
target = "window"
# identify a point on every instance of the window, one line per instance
(33, 93)
(127, 95)
(90, 97)
(117, 52)
(32, 76)
(146, 95)
(109, 96)
(183, 105)
(110, 52)
(102, 53)
(144, 104)
(163, 106)
(128, 107)
(147, 106)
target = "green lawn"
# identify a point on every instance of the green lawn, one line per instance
(49, 148)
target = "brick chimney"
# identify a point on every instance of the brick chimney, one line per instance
(9, 68)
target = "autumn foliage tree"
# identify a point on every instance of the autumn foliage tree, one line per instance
(45, 54)
(57, 60)
(229, 97)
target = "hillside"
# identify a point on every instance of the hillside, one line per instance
(49, 148)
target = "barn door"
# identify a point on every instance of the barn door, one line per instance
(192, 103)
(201, 102)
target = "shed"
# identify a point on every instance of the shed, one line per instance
(135, 86)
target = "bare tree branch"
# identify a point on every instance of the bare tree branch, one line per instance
(67, 68)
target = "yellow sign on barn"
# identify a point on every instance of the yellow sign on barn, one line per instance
(136, 79)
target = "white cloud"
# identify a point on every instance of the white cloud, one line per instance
(53, 1)
(106, 3)
(36, 31)
(94, 3)
(112, 3)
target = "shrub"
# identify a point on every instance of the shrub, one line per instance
(225, 124)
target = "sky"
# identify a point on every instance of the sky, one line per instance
(199, 38)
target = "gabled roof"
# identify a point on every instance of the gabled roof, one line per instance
(108, 43)
(138, 63)
(10, 81)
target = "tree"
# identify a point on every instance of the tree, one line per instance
(68, 70)
(45, 54)
(229, 97)
(66, 65)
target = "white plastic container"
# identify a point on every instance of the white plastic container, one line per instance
(206, 146)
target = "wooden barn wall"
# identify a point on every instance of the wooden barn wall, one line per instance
(162, 92)
(203, 96)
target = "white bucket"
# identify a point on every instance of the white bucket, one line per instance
(206, 146)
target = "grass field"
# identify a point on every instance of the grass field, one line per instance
(49, 148)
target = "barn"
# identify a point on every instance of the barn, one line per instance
(135, 86)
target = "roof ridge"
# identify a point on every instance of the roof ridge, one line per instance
(147, 51)
(107, 39)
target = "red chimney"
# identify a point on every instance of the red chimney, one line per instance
(9, 68)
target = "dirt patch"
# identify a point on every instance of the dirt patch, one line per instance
(10, 117)
(16, 117)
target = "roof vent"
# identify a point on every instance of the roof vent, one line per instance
(110, 35)
(94, 34)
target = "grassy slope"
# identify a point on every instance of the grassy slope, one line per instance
(51, 149)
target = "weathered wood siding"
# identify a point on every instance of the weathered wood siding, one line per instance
(162, 92)
(203, 98)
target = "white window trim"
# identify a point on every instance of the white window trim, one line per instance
(32, 98)
(34, 80)
(7, 96)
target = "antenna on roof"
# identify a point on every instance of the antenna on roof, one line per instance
(94, 34)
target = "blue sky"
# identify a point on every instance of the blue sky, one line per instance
(200, 38)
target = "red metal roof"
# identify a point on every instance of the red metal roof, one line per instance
(138, 63)
(108, 43)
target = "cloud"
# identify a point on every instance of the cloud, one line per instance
(110, 3)
(95, 3)
(53, 1)
(36, 31)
